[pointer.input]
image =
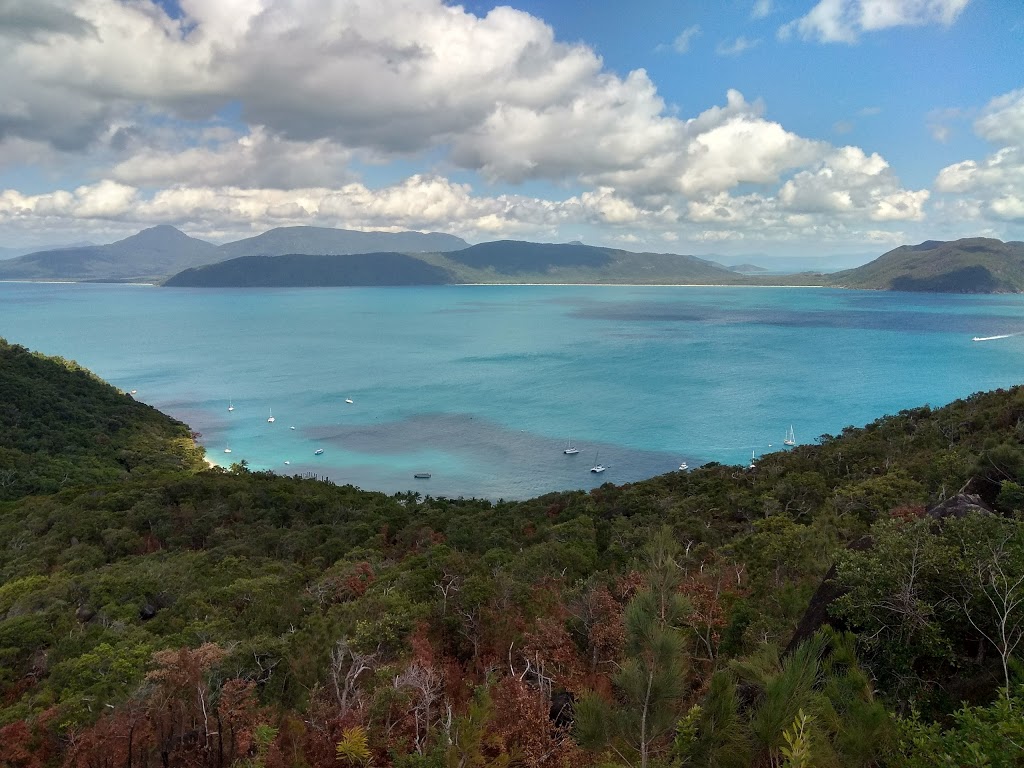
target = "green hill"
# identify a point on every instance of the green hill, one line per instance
(503, 261)
(60, 426)
(303, 270)
(167, 615)
(972, 265)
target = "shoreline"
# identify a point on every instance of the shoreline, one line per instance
(75, 282)
(631, 285)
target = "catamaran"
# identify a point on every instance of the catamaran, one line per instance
(271, 420)
(597, 468)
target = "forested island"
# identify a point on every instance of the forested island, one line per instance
(857, 602)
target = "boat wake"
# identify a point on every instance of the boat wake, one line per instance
(993, 338)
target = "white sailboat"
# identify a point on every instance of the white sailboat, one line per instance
(271, 419)
(597, 468)
(570, 449)
(752, 464)
(231, 405)
(228, 449)
(790, 437)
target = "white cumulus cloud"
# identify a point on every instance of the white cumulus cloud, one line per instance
(843, 21)
(992, 188)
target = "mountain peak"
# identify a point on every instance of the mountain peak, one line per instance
(161, 232)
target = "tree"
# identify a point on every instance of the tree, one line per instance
(650, 683)
(991, 576)
(815, 705)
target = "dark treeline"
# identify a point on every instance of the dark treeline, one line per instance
(154, 613)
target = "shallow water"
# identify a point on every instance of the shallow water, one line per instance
(482, 386)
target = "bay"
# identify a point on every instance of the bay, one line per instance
(482, 386)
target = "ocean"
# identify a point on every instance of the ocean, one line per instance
(484, 386)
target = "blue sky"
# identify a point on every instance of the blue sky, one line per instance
(787, 129)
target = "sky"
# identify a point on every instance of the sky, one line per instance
(786, 129)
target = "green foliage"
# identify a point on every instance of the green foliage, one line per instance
(650, 682)
(61, 426)
(989, 736)
(797, 751)
(933, 597)
(818, 683)
(353, 749)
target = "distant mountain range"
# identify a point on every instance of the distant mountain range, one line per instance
(10, 253)
(323, 240)
(971, 265)
(319, 256)
(155, 253)
(152, 253)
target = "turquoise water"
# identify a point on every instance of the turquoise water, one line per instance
(483, 385)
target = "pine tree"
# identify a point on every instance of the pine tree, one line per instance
(650, 682)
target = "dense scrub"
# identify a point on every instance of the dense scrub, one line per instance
(61, 426)
(163, 615)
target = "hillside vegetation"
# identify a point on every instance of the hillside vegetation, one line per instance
(504, 261)
(60, 426)
(233, 618)
(304, 271)
(972, 265)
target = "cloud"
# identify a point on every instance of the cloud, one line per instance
(849, 182)
(761, 9)
(239, 115)
(735, 145)
(255, 159)
(735, 47)
(1004, 167)
(40, 19)
(992, 188)
(1002, 120)
(844, 21)
(419, 202)
(682, 42)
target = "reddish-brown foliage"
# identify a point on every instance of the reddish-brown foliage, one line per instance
(908, 512)
(520, 726)
(22, 746)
